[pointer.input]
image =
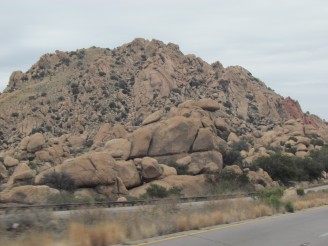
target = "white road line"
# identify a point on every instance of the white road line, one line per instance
(324, 235)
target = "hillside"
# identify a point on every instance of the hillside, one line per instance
(141, 106)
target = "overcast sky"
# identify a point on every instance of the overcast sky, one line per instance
(282, 42)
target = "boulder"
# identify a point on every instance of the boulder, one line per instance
(119, 148)
(175, 135)
(302, 154)
(301, 147)
(140, 140)
(122, 199)
(154, 117)
(208, 104)
(128, 173)
(189, 185)
(10, 161)
(207, 140)
(233, 137)
(88, 170)
(114, 190)
(3, 172)
(103, 134)
(24, 143)
(184, 161)
(233, 169)
(43, 156)
(167, 171)
(260, 177)
(28, 194)
(220, 124)
(35, 142)
(76, 141)
(202, 162)
(150, 168)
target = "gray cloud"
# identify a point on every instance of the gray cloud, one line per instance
(281, 42)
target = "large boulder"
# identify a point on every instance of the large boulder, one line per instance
(208, 104)
(128, 173)
(88, 170)
(204, 162)
(10, 161)
(156, 116)
(220, 124)
(119, 148)
(150, 168)
(113, 191)
(189, 185)
(140, 140)
(207, 140)
(167, 171)
(260, 178)
(35, 142)
(28, 194)
(175, 135)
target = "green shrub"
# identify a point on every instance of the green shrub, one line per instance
(241, 145)
(321, 156)
(287, 168)
(232, 157)
(300, 192)
(181, 169)
(157, 191)
(58, 180)
(271, 196)
(317, 142)
(289, 207)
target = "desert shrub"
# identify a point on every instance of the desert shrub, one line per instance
(157, 191)
(65, 61)
(232, 157)
(61, 98)
(241, 145)
(227, 104)
(181, 169)
(58, 180)
(228, 182)
(317, 142)
(136, 121)
(289, 207)
(67, 197)
(31, 98)
(271, 196)
(321, 156)
(14, 114)
(300, 192)
(44, 94)
(88, 143)
(102, 74)
(287, 168)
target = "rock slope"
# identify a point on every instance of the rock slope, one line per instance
(117, 120)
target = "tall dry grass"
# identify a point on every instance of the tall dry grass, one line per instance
(99, 228)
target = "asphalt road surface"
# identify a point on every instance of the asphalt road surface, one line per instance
(305, 228)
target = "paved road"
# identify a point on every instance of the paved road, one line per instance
(323, 187)
(306, 228)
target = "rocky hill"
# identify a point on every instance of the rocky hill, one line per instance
(126, 117)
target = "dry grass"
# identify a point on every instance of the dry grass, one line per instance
(97, 228)
(313, 199)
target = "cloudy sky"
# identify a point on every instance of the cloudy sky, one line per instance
(282, 42)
